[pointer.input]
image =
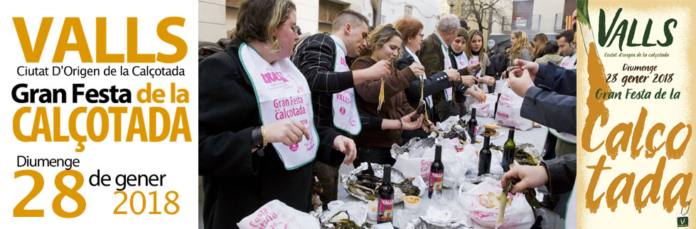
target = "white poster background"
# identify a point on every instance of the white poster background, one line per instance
(175, 159)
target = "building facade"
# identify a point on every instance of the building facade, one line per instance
(218, 17)
(532, 16)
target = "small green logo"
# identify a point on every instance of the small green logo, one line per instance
(683, 221)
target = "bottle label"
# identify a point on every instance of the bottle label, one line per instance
(425, 169)
(436, 182)
(457, 145)
(385, 210)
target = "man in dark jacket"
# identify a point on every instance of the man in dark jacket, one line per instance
(316, 58)
(434, 56)
(493, 68)
(503, 60)
(549, 93)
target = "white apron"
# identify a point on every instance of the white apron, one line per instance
(475, 60)
(429, 99)
(462, 61)
(282, 92)
(345, 110)
(568, 62)
(448, 65)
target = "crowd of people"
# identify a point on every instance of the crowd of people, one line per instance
(276, 111)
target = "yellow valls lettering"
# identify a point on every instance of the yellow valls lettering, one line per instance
(73, 25)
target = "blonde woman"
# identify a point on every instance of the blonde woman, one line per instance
(540, 41)
(520, 48)
(245, 136)
(475, 55)
(385, 45)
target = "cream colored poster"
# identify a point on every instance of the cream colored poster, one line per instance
(635, 103)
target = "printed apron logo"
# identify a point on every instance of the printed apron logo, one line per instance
(273, 77)
(343, 110)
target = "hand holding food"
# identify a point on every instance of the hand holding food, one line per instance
(407, 124)
(452, 74)
(288, 132)
(529, 176)
(472, 68)
(417, 69)
(490, 81)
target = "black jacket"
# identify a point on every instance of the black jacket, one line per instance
(553, 101)
(316, 57)
(561, 172)
(503, 65)
(236, 181)
(493, 68)
(433, 84)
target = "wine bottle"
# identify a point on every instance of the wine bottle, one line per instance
(437, 172)
(509, 151)
(495, 111)
(386, 198)
(484, 165)
(472, 124)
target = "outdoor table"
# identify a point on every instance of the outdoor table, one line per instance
(535, 136)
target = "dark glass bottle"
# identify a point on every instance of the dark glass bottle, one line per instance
(484, 165)
(509, 151)
(437, 172)
(472, 124)
(495, 111)
(385, 208)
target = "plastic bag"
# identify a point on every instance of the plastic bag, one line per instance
(486, 108)
(518, 215)
(276, 214)
(356, 209)
(509, 107)
(499, 86)
(457, 164)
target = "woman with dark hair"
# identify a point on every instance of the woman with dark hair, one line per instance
(550, 54)
(256, 130)
(384, 45)
(457, 50)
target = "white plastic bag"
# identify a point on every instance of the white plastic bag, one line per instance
(276, 214)
(456, 163)
(499, 86)
(412, 166)
(356, 209)
(509, 107)
(486, 108)
(518, 215)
